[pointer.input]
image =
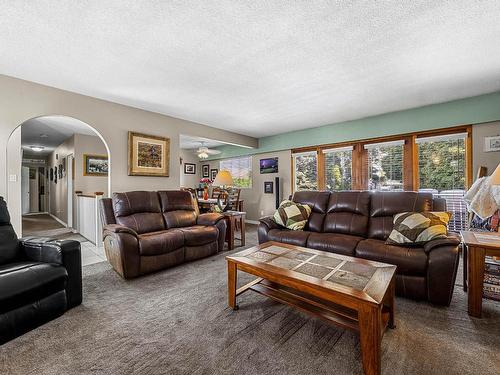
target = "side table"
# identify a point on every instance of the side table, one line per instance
(479, 245)
(233, 218)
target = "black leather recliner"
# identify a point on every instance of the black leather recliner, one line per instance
(40, 279)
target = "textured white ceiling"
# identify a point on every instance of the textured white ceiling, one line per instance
(257, 67)
(51, 131)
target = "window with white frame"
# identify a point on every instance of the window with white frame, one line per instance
(338, 168)
(240, 169)
(385, 165)
(305, 166)
(441, 171)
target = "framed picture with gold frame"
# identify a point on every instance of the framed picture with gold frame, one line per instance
(95, 165)
(148, 155)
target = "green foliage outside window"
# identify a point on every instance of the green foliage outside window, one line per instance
(442, 165)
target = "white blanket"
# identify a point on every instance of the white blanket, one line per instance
(483, 198)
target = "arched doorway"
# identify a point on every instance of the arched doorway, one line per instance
(61, 162)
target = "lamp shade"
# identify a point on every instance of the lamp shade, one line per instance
(495, 177)
(223, 178)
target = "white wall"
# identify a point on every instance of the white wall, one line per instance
(479, 157)
(58, 205)
(88, 144)
(189, 180)
(22, 100)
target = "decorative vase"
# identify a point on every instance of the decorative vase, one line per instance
(205, 193)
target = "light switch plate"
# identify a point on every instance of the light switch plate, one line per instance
(13, 178)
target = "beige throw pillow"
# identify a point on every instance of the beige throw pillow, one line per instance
(417, 228)
(292, 215)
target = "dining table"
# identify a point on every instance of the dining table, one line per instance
(208, 203)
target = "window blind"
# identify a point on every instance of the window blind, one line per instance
(338, 168)
(240, 169)
(385, 165)
(441, 170)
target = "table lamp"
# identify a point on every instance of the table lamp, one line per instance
(224, 180)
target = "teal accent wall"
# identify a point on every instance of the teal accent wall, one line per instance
(474, 110)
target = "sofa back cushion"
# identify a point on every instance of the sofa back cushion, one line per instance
(348, 212)
(9, 244)
(384, 205)
(139, 210)
(178, 208)
(318, 201)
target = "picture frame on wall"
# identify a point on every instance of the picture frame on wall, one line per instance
(189, 168)
(213, 173)
(269, 165)
(95, 165)
(148, 155)
(205, 171)
(492, 144)
(268, 187)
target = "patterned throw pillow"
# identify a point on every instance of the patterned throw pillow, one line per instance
(417, 228)
(292, 215)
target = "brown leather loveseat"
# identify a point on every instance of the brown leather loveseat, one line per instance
(146, 231)
(357, 223)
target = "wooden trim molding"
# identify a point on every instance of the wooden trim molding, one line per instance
(410, 157)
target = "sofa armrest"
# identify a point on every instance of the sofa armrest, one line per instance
(266, 224)
(117, 228)
(65, 253)
(121, 245)
(448, 241)
(269, 222)
(209, 219)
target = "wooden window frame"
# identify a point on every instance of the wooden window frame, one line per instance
(359, 172)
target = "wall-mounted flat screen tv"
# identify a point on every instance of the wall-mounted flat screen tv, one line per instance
(269, 165)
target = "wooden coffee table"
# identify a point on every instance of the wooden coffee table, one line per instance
(350, 292)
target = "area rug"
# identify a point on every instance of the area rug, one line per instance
(177, 322)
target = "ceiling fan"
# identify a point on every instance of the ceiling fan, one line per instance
(204, 152)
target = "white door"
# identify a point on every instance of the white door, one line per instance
(34, 196)
(69, 182)
(25, 190)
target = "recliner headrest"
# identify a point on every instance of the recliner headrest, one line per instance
(4, 213)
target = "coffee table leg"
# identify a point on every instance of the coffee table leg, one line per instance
(390, 303)
(476, 277)
(232, 272)
(370, 335)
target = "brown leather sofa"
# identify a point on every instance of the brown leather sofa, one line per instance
(146, 231)
(357, 223)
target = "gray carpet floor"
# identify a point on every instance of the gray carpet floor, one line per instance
(177, 322)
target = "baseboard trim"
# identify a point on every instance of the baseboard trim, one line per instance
(256, 222)
(58, 220)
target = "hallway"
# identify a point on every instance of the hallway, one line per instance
(44, 225)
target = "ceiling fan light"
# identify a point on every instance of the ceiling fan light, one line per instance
(203, 155)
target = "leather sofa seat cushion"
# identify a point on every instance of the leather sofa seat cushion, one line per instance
(162, 242)
(409, 260)
(292, 237)
(199, 235)
(22, 283)
(334, 242)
